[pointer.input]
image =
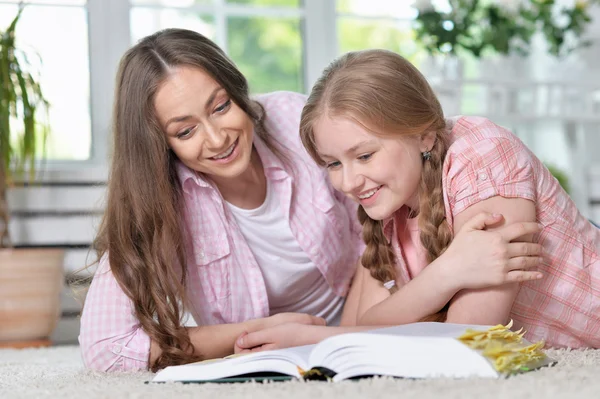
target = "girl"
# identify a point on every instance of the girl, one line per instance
(374, 122)
(215, 208)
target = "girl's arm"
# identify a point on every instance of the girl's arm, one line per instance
(490, 305)
(476, 259)
(426, 294)
(351, 305)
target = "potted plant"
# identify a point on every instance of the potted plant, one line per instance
(31, 279)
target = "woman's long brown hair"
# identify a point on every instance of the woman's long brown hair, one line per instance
(142, 230)
(385, 93)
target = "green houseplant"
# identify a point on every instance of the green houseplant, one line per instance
(30, 278)
(481, 27)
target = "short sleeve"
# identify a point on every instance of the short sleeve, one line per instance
(489, 167)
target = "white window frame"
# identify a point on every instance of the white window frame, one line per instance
(109, 37)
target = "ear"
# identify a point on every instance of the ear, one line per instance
(427, 141)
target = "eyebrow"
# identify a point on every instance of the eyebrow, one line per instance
(349, 150)
(184, 118)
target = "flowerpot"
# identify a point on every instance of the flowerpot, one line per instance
(31, 281)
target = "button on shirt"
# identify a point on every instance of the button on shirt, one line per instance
(225, 283)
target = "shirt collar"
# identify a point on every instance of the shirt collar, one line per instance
(390, 224)
(272, 165)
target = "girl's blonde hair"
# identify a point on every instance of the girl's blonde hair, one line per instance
(386, 94)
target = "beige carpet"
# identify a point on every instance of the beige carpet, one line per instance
(58, 373)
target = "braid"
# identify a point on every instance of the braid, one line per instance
(435, 230)
(378, 256)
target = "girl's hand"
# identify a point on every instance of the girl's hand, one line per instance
(479, 259)
(280, 336)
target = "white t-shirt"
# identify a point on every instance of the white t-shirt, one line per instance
(293, 282)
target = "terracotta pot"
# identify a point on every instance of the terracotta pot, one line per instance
(31, 281)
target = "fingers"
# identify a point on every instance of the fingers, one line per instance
(519, 276)
(516, 249)
(319, 321)
(256, 349)
(482, 220)
(236, 347)
(253, 339)
(265, 347)
(523, 262)
(517, 230)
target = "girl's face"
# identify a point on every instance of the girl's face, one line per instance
(380, 173)
(206, 130)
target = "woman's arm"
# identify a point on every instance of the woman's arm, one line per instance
(212, 341)
(217, 340)
(291, 334)
(490, 305)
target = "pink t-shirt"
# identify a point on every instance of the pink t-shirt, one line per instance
(225, 282)
(485, 160)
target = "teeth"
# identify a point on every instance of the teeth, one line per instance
(225, 154)
(368, 194)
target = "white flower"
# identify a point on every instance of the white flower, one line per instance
(423, 5)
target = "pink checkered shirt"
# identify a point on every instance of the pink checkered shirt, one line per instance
(485, 160)
(225, 284)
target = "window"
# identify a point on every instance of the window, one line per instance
(65, 80)
(277, 44)
(363, 24)
(263, 37)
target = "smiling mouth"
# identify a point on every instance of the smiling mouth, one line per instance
(368, 194)
(227, 152)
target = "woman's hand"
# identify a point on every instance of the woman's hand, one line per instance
(479, 259)
(274, 327)
(280, 336)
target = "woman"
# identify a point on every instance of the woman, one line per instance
(375, 124)
(214, 208)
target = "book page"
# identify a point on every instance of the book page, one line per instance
(284, 361)
(416, 350)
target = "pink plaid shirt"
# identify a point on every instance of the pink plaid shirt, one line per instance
(225, 284)
(485, 160)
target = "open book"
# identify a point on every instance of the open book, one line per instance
(418, 350)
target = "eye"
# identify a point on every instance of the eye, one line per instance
(333, 164)
(365, 157)
(185, 133)
(223, 106)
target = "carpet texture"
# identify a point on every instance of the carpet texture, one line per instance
(58, 373)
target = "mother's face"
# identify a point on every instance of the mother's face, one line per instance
(207, 131)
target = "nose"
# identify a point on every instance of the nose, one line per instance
(351, 180)
(214, 138)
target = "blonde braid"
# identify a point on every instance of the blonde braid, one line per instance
(435, 230)
(378, 256)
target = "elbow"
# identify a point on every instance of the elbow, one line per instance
(98, 357)
(478, 318)
(108, 356)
